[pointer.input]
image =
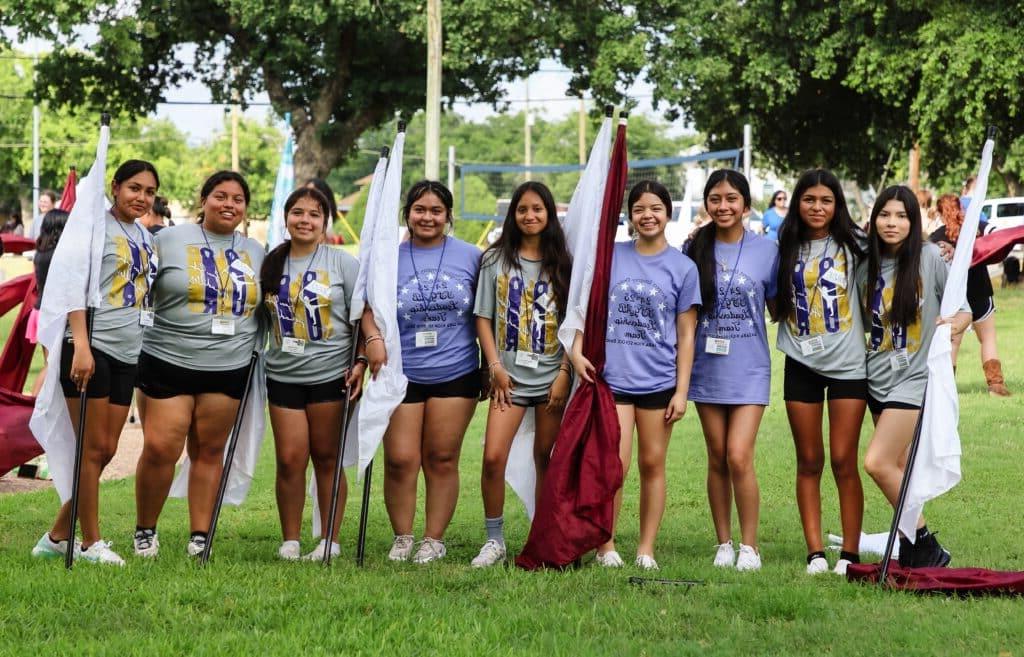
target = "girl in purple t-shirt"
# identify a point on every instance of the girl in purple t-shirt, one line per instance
(436, 286)
(732, 366)
(652, 315)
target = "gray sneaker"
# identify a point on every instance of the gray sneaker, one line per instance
(401, 549)
(491, 553)
(146, 543)
(430, 549)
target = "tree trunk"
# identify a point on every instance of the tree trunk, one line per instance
(1013, 183)
(313, 159)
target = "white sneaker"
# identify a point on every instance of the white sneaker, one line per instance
(146, 543)
(195, 546)
(318, 552)
(646, 562)
(100, 552)
(402, 548)
(290, 551)
(840, 568)
(491, 553)
(725, 556)
(817, 566)
(47, 548)
(609, 559)
(748, 558)
(430, 549)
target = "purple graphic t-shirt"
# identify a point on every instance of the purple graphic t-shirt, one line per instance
(745, 274)
(436, 292)
(646, 294)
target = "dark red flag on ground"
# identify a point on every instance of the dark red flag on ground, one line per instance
(67, 197)
(991, 249)
(17, 444)
(575, 510)
(951, 581)
(16, 243)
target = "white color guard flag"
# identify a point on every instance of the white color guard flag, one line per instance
(73, 284)
(378, 269)
(283, 186)
(936, 468)
(581, 223)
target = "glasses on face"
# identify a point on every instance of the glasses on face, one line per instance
(781, 199)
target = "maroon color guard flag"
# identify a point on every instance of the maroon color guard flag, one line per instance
(994, 247)
(67, 197)
(576, 506)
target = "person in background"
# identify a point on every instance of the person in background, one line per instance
(155, 218)
(772, 218)
(52, 223)
(14, 225)
(47, 201)
(930, 217)
(320, 185)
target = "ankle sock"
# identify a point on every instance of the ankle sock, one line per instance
(201, 535)
(852, 557)
(814, 555)
(140, 528)
(495, 529)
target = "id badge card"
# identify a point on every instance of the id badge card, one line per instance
(528, 359)
(223, 326)
(146, 317)
(812, 346)
(717, 346)
(899, 360)
(295, 346)
(316, 287)
(835, 277)
(426, 338)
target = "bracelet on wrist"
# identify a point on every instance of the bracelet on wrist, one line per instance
(362, 359)
(497, 362)
(372, 338)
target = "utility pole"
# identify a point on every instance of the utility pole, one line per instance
(583, 131)
(451, 168)
(432, 149)
(748, 145)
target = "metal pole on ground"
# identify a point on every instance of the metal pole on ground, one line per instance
(83, 404)
(339, 461)
(229, 457)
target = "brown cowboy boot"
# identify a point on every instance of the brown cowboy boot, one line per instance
(994, 378)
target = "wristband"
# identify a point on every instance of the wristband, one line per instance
(363, 359)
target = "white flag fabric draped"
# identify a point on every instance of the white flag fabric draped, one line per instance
(581, 224)
(283, 186)
(379, 269)
(937, 466)
(73, 285)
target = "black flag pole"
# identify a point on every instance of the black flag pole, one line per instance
(339, 461)
(229, 457)
(901, 499)
(83, 403)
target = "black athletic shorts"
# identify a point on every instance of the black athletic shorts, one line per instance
(876, 407)
(648, 402)
(981, 308)
(162, 380)
(802, 384)
(467, 385)
(529, 402)
(298, 395)
(112, 378)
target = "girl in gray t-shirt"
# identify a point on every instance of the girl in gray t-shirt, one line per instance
(100, 357)
(904, 283)
(307, 288)
(819, 315)
(520, 301)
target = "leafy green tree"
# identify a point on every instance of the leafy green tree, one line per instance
(339, 67)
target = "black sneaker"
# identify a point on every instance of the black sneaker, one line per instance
(907, 549)
(929, 554)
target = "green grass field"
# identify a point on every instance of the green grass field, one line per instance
(246, 602)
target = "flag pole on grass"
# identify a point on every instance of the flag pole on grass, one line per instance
(933, 462)
(229, 457)
(375, 292)
(339, 462)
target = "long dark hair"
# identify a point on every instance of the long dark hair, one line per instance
(216, 179)
(906, 290)
(701, 248)
(50, 229)
(793, 232)
(555, 261)
(428, 187)
(273, 263)
(131, 168)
